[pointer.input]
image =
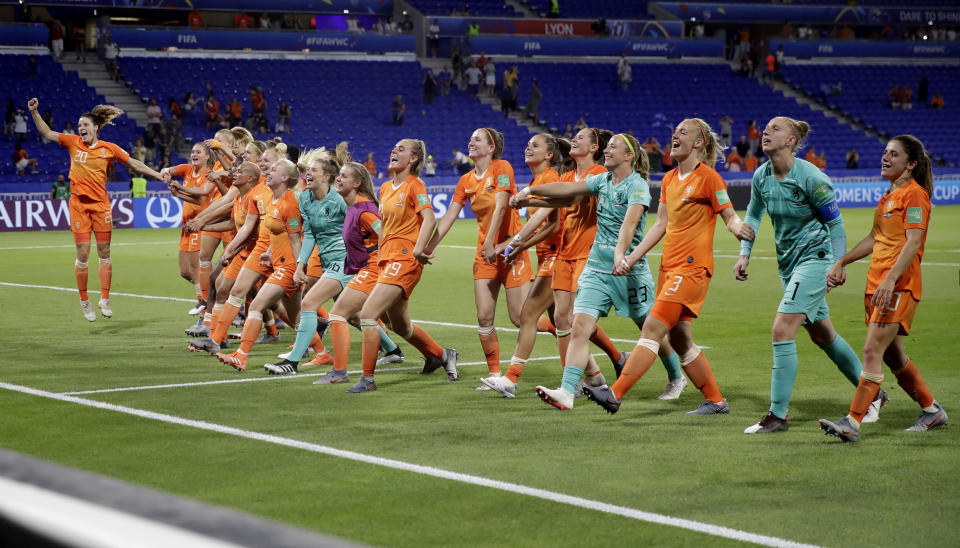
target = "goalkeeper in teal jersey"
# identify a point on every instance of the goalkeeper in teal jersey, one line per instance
(809, 235)
(323, 211)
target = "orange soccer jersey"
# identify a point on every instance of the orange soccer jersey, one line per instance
(550, 246)
(283, 218)
(481, 192)
(898, 211)
(192, 181)
(88, 167)
(260, 197)
(580, 219)
(692, 207)
(400, 207)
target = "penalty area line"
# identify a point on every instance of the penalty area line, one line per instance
(560, 498)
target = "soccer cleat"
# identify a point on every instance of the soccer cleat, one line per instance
(365, 384)
(673, 389)
(333, 377)
(236, 360)
(595, 381)
(602, 396)
(88, 311)
(502, 385)
(104, 306)
(431, 364)
(267, 338)
(619, 364)
(286, 367)
(769, 423)
(843, 429)
(322, 325)
(873, 412)
(323, 358)
(449, 359)
(198, 330)
(394, 356)
(280, 323)
(926, 421)
(236, 335)
(201, 306)
(238, 321)
(207, 345)
(711, 408)
(559, 398)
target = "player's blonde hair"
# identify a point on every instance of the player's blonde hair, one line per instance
(712, 150)
(799, 129)
(241, 136)
(641, 162)
(225, 136)
(419, 149)
(366, 182)
(291, 171)
(102, 115)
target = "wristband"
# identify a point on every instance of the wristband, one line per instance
(516, 238)
(507, 251)
(216, 143)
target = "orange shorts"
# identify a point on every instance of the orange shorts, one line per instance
(86, 217)
(224, 236)
(365, 280)
(566, 274)
(510, 275)
(686, 287)
(283, 276)
(314, 266)
(404, 273)
(900, 310)
(253, 263)
(233, 269)
(545, 265)
(189, 241)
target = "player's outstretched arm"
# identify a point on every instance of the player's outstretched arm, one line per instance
(143, 168)
(34, 106)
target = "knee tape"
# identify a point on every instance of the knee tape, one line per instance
(235, 301)
(255, 315)
(690, 355)
(335, 318)
(649, 344)
(369, 324)
(80, 265)
(874, 377)
(206, 264)
(105, 261)
(485, 330)
(563, 333)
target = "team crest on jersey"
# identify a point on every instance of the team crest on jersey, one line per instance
(687, 191)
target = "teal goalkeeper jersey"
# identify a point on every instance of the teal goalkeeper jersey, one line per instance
(322, 226)
(613, 201)
(802, 208)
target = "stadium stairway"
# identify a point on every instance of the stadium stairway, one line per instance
(116, 93)
(804, 98)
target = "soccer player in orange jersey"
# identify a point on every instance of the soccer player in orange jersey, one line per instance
(89, 202)
(894, 286)
(253, 270)
(283, 225)
(488, 187)
(196, 194)
(691, 197)
(408, 222)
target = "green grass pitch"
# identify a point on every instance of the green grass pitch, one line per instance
(894, 488)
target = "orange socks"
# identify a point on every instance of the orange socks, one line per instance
(602, 341)
(317, 344)
(322, 313)
(544, 325)
(865, 393)
(340, 334)
(912, 383)
(637, 365)
(222, 321)
(251, 329)
(81, 272)
(204, 275)
(514, 372)
(701, 375)
(370, 330)
(105, 270)
(491, 348)
(421, 341)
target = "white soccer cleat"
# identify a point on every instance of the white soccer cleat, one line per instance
(673, 389)
(88, 312)
(285, 355)
(502, 385)
(197, 309)
(559, 398)
(105, 309)
(483, 386)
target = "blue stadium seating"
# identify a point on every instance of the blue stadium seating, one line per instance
(593, 9)
(486, 8)
(864, 97)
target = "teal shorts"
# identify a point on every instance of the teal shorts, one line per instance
(805, 291)
(333, 269)
(632, 295)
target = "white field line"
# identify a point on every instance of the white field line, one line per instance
(631, 513)
(274, 378)
(72, 246)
